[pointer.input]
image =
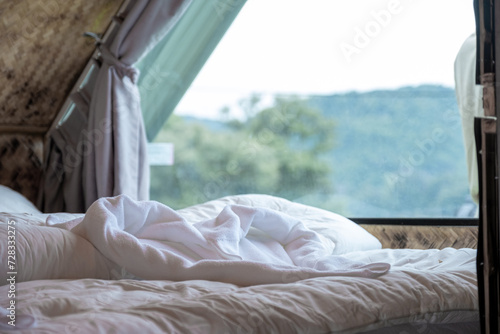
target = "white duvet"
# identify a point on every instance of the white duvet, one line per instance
(241, 245)
(245, 240)
(63, 278)
(423, 288)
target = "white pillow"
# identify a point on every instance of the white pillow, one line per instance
(43, 252)
(12, 201)
(346, 234)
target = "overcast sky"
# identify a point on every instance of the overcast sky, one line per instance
(330, 46)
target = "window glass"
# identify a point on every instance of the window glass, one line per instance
(344, 105)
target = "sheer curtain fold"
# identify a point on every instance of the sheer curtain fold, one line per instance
(105, 134)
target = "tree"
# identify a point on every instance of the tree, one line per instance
(280, 151)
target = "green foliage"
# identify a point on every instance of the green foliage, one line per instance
(401, 153)
(280, 150)
(393, 153)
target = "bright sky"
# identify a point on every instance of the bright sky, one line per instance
(330, 46)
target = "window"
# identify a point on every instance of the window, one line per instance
(347, 106)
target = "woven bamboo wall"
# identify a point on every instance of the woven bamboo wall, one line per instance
(20, 159)
(424, 237)
(43, 53)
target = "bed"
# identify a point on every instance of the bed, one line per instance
(67, 279)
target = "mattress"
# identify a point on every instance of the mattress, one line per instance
(424, 289)
(63, 284)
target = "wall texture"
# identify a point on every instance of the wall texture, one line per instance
(43, 53)
(424, 237)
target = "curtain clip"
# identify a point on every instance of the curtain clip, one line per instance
(94, 36)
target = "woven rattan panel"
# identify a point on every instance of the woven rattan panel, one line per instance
(43, 53)
(424, 237)
(20, 163)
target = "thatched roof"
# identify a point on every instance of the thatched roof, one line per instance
(43, 53)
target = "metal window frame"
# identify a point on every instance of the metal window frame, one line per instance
(488, 150)
(404, 221)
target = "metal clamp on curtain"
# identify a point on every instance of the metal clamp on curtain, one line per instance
(95, 36)
(121, 68)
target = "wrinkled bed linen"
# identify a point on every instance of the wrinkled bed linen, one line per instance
(423, 287)
(242, 245)
(51, 253)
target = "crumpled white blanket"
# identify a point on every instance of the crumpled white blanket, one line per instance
(242, 245)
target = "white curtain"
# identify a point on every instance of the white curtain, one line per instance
(100, 149)
(470, 105)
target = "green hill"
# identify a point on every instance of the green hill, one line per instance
(398, 153)
(395, 153)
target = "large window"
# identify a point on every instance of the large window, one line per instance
(345, 105)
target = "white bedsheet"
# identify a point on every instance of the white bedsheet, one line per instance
(423, 287)
(241, 245)
(51, 253)
(63, 283)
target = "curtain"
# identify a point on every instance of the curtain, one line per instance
(168, 70)
(470, 105)
(99, 150)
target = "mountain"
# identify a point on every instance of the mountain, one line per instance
(397, 153)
